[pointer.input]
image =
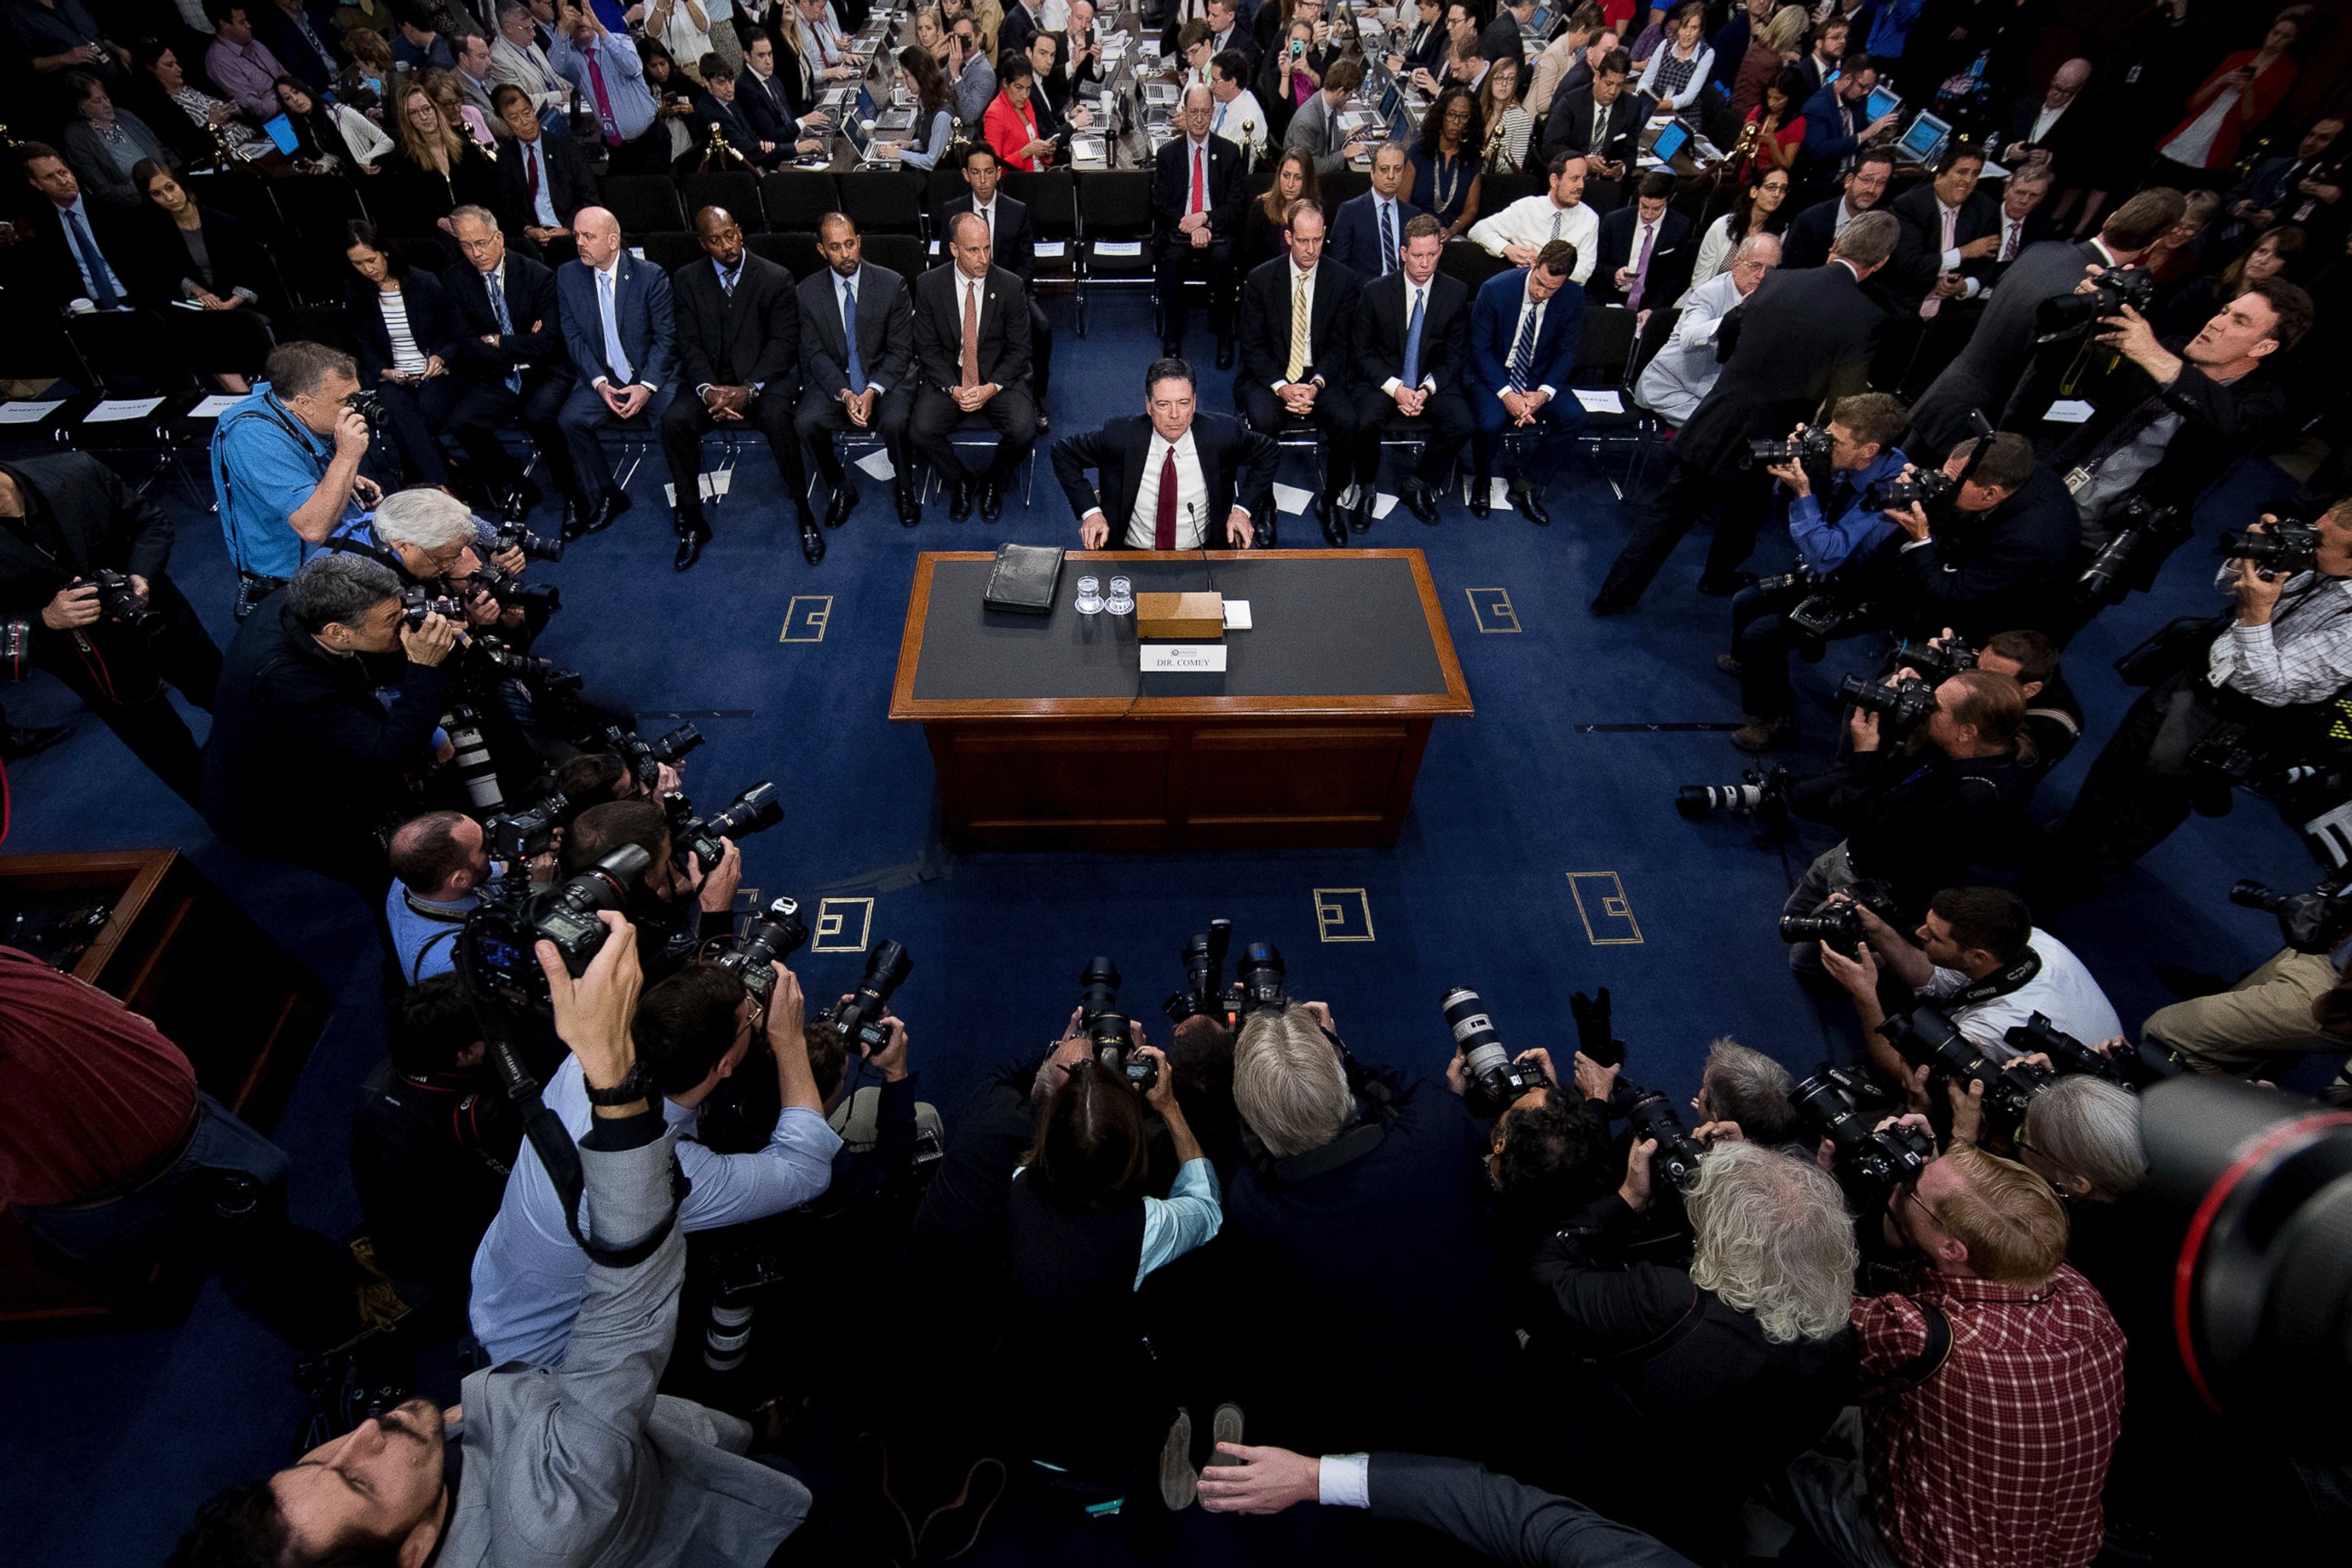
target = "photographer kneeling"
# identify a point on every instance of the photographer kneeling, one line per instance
(691, 1032)
(553, 1468)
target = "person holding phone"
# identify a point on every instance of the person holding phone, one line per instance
(407, 336)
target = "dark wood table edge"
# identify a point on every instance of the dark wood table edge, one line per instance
(905, 706)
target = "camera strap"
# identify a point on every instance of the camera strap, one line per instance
(1999, 983)
(1930, 1360)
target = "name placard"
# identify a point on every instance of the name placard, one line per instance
(1183, 657)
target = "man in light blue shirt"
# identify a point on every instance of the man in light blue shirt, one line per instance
(605, 68)
(438, 860)
(692, 1031)
(286, 461)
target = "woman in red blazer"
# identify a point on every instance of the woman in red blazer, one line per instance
(2240, 95)
(1011, 125)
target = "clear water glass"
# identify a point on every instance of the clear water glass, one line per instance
(1121, 601)
(1091, 602)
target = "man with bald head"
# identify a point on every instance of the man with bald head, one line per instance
(1196, 207)
(972, 357)
(2052, 121)
(618, 327)
(739, 364)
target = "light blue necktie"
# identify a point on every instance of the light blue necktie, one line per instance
(1523, 352)
(616, 358)
(506, 323)
(1387, 241)
(1411, 377)
(849, 332)
(101, 277)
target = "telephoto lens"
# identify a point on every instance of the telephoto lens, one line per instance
(859, 1019)
(1260, 974)
(1922, 487)
(512, 592)
(754, 811)
(774, 934)
(1097, 988)
(417, 602)
(1834, 922)
(1833, 1104)
(534, 546)
(471, 761)
(1652, 1115)
(2282, 549)
(1925, 1037)
(1759, 794)
(1901, 707)
(1492, 1081)
(1936, 662)
(1204, 961)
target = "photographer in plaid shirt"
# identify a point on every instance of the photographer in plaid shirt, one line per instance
(1994, 1387)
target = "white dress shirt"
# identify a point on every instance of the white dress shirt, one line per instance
(987, 214)
(1244, 116)
(1191, 496)
(1534, 220)
(2046, 120)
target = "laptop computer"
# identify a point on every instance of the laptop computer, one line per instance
(1924, 141)
(1670, 141)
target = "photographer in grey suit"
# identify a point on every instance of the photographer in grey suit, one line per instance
(588, 1465)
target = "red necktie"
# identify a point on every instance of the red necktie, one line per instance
(1164, 527)
(1198, 199)
(530, 171)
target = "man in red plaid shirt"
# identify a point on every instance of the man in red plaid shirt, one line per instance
(1993, 1384)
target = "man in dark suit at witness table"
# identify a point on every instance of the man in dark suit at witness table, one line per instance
(972, 357)
(739, 360)
(1412, 335)
(861, 380)
(1011, 244)
(1802, 341)
(1299, 366)
(1166, 475)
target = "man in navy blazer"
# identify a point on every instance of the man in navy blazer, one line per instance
(1356, 233)
(617, 324)
(1834, 129)
(1642, 261)
(1409, 385)
(510, 361)
(716, 106)
(1524, 331)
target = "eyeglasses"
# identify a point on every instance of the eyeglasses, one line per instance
(1912, 1192)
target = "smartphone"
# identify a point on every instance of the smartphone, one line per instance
(1297, 47)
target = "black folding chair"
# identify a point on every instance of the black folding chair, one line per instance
(737, 190)
(884, 201)
(901, 253)
(1470, 262)
(1603, 355)
(643, 203)
(670, 251)
(1114, 231)
(796, 252)
(794, 199)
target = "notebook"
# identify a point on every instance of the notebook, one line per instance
(1025, 580)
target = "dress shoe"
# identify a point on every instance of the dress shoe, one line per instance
(1422, 499)
(20, 741)
(812, 539)
(1727, 663)
(960, 501)
(910, 509)
(609, 507)
(1263, 539)
(1224, 354)
(1482, 497)
(576, 517)
(991, 500)
(1722, 585)
(1335, 530)
(1766, 735)
(843, 502)
(693, 533)
(1524, 500)
(1360, 520)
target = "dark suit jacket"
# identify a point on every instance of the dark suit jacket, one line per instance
(2000, 350)
(1981, 572)
(1827, 141)
(1017, 241)
(1017, 29)
(283, 39)
(1235, 462)
(1918, 249)
(237, 258)
(2218, 424)
(1569, 127)
(537, 341)
(643, 313)
(1495, 324)
(1802, 338)
(938, 327)
(734, 125)
(2068, 141)
(1172, 188)
(431, 322)
(570, 183)
(1424, 47)
(768, 110)
(886, 333)
(1671, 256)
(105, 523)
(751, 338)
(1266, 325)
(1356, 234)
(1811, 232)
(1501, 39)
(1381, 325)
(49, 260)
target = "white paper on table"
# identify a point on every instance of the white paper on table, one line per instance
(1599, 402)
(1383, 503)
(1052, 247)
(115, 408)
(2069, 411)
(218, 404)
(1237, 614)
(1291, 498)
(877, 463)
(1122, 247)
(27, 413)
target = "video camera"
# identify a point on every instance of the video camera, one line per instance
(534, 546)
(644, 758)
(773, 935)
(2134, 1070)
(1925, 1037)
(496, 952)
(416, 601)
(1763, 794)
(2308, 922)
(1924, 488)
(1492, 1081)
(2282, 549)
(858, 1021)
(517, 837)
(119, 601)
(1901, 707)
(1811, 444)
(2108, 294)
(1870, 1161)
(1838, 922)
(694, 840)
(2144, 527)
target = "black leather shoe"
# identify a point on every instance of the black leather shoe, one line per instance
(1529, 506)
(1360, 520)
(575, 518)
(960, 501)
(1482, 497)
(1729, 584)
(691, 541)
(1263, 537)
(1224, 354)
(516, 504)
(845, 502)
(812, 539)
(991, 500)
(608, 508)
(1423, 500)
(910, 509)
(17, 741)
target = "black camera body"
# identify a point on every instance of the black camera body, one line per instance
(2143, 528)
(1838, 922)
(694, 841)
(512, 592)
(2281, 549)
(1650, 1114)
(516, 837)
(1836, 1105)
(368, 406)
(2109, 293)
(1923, 488)
(1901, 707)
(544, 675)
(416, 601)
(1109, 1033)
(1492, 1081)
(534, 546)
(1203, 959)
(1762, 793)
(1936, 662)
(496, 949)
(2132, 1069)
(645, 757)
(858, 1021)
(1925, 1037)
(774, 934)
(1810, 445)
(1260, 980)
(2309, 922)
(120, 601)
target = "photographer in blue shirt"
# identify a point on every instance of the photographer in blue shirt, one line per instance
(286, 465)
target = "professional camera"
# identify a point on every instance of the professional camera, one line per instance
(1839, 1106)
(2109, 293)
(774, 934)
(517, 837)
(2281, 549)
(1650, 1114)
(368, 406)
(1109, 1031)
(1203, 959)
(1901, 708)
(645, 757)
(1763, 794)
(1811, 444)
(694, 840)
(512, 592)
(496, 954)
(1258, 980)
(2308, 922)
(119, 601)
(2226, 755)
(1924, 486)
(1834, 611)
(544, 675)
(1838, 922)
(858, 1021)
(2132, 1069)
(416, 601)
(534, 546)
(1798, 578)
(1926, 1038)
(1936, 663)
(470, 759)
(2143, 527)
(1493, 1081)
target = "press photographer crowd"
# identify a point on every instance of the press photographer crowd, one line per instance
(1979, 325)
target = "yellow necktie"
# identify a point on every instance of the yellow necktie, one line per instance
(1297, 331)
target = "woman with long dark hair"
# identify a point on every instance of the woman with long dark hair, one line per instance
(1265, 231)
(196, 256)
(1779, 128)
(934, 109)
(1762, 208)
(1443, 173)
(339, 140)
(408, 332)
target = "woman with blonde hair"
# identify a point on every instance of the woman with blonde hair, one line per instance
(434, 170)
(1509, 127)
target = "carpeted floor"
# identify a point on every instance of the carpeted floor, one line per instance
(1532, 820)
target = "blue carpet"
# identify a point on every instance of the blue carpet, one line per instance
(1569, 767)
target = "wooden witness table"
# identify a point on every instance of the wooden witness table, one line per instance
(1045, 734)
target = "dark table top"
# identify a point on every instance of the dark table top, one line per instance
(1333, 632)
